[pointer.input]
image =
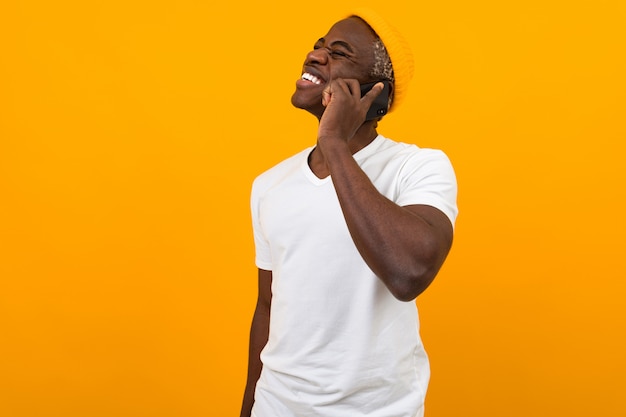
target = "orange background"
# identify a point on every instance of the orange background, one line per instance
(130, 132)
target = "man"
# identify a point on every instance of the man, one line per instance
(347, 233)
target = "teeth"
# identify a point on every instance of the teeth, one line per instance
(312, 78)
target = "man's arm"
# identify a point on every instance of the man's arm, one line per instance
(259, 333)
(404, 246)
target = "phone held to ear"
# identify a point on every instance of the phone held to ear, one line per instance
(380, 104)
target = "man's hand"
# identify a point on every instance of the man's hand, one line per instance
(345, 109)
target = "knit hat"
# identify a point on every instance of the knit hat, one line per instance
(398, 49)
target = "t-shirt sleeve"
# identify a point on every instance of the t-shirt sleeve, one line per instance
(428, 178)
(263, 259)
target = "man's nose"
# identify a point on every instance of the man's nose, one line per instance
(317, 56)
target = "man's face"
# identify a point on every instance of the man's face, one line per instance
(345, 52)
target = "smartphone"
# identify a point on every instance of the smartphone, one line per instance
(380, 105)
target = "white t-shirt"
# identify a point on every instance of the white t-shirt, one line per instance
(340, 343)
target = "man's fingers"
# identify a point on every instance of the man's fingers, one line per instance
(336, 86)
(326, 93)
(351, 88)
(371, 95)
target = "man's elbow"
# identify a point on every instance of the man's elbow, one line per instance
(412, 277)
(407, 284)
(407, 288)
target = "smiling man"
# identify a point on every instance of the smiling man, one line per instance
(347, 234)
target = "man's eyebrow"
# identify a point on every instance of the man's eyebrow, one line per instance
(336, 43)
(344, 44)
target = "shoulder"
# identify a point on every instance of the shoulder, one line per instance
(420, 176)
(409, 158)
(279, 171)
(409, 149)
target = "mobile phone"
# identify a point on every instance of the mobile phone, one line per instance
(380, 105)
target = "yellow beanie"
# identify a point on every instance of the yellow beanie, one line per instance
(398, 49)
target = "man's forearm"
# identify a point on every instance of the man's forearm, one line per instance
(259, 333)
(258, 339)
(405, 247)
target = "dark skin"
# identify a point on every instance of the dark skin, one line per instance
(404, 246)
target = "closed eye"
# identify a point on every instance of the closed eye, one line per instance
(334, 53)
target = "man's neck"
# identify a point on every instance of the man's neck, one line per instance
(363, 137)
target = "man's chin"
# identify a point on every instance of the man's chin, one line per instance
(298, 101)
(316, 109)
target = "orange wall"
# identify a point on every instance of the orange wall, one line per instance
(130, 132)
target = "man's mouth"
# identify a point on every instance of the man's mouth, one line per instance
(312, 78)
